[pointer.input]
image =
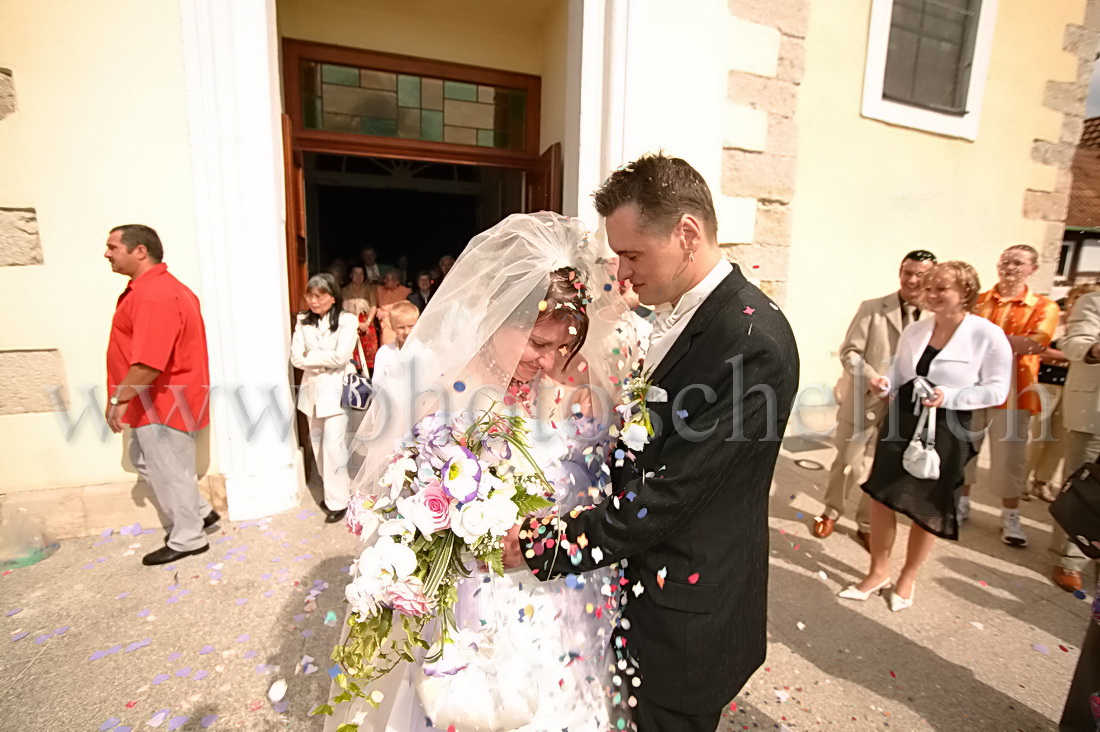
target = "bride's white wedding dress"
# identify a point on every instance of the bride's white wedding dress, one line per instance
(560, 630)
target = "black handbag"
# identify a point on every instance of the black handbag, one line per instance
(1077, 509)
(357, 390)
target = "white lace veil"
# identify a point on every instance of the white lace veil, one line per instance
(465, 347)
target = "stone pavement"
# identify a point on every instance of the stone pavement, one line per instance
(100, 642)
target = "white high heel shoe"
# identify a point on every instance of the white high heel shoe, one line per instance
(852, 592)
(897, 602)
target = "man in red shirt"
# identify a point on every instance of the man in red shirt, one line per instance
(159, 381)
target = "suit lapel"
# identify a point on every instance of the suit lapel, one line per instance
(733, 282)
(891, 309)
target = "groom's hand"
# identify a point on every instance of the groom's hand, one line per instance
(513, 555)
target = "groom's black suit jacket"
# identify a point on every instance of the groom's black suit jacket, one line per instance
(700, 513)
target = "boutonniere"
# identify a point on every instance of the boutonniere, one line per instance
(638, 392)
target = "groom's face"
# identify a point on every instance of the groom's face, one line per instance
(654, 264)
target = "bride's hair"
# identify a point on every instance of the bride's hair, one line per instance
(565, 300)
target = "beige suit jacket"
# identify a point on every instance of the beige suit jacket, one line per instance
(867, 350)
(1081, 398)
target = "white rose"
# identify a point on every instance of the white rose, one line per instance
(635, 436)
(488, 484)
(472, 521)
(501, 513)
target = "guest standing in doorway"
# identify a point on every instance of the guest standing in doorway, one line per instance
(423, 291)
(322, 346)
(359, 300)
(389, 292)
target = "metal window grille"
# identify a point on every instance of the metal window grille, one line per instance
(930, 53)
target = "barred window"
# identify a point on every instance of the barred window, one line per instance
(930, 53)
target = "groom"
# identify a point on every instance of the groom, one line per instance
(689, 515)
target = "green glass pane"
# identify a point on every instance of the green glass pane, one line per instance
(311, 111)
(408, 91)
(408, 123)
(344, 75)
(431, 91)
(431, 126)
(460, 90)
(381, 127)
(486, 138)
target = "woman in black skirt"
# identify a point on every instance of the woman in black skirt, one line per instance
(968, 360)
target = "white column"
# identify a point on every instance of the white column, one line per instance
(596, 104)
(231, 66)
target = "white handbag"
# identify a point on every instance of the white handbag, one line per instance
(920, 458)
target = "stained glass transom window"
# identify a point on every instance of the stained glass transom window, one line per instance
(370, 102)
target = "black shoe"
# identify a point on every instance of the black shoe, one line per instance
(167, 554)
(332, 517)
(211, 519)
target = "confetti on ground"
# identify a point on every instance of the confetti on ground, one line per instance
(1041, 649)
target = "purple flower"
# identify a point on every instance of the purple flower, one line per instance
(461, 473)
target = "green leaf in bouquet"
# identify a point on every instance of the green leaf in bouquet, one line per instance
(325, 709)
(527, 504)
(495, 560)
(352, 727)
(341, 698)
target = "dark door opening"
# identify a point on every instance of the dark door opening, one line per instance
(419, 210)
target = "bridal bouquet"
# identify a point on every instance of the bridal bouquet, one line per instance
(457, 484)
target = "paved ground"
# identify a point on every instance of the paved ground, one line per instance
(109, 644)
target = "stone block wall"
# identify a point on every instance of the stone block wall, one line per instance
(26, 376)
(1068, 98)
(761, 137)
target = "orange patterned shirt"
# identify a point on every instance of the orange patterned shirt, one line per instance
(1029, 315)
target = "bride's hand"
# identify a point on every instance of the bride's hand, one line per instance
(513, 555)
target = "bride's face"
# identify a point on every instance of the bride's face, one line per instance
(548, 343)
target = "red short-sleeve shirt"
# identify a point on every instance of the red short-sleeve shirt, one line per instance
(158, 323)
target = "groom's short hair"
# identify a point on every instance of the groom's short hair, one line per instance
(664, 189)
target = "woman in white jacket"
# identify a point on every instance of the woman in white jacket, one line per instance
(324, 339)
(968, 360)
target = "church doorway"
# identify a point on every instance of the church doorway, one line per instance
(411, 213)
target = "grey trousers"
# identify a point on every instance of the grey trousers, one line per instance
(165, 459)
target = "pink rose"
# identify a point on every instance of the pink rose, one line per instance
(407, 597)
(429, 509)
(438, 503)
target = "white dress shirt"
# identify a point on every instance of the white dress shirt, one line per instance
(671, 321)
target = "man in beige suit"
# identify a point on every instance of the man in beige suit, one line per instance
(866, 353)
(1081, 416)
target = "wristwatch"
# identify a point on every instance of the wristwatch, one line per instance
(114, 402)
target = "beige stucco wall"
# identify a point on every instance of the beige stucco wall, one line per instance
(99, 138)
(479, 32)
(868, 192)
(527, 37)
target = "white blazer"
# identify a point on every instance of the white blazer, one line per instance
(324, 357)
(974, 369)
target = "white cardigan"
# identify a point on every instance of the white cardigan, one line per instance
(324, 357)
(974, 369)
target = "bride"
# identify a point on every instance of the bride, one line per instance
(528, 321)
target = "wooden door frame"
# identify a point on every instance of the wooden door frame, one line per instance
(341, 143)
